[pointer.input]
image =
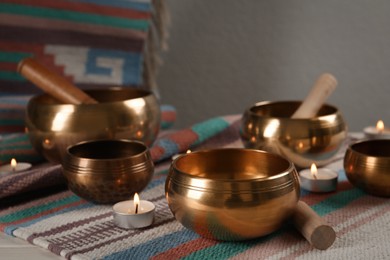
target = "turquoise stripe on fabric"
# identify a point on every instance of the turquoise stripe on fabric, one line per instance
(12, 122)
(25, 213)
(226, 250)
(145, 6)
(10, 229)
(337, 201)
(13, 57)
(59, 14)
(208, 128)
(155, 246)
(12, 76)
(169, 146)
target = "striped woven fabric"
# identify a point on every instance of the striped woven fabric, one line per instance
(95, 43)
(76, 229)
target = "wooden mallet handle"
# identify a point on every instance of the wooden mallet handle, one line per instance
(312, 227)
(317, 96)
(52, 83)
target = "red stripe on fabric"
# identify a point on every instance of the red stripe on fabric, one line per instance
(41, 214)
(168, 116)
(185, 249)
(157, 152)
(14, 46)
(85, 8)
(30, 22)
(71, 38)
(184, 139)
(8, 66)
(11, 129)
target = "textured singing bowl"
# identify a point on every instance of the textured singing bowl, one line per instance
(232, 194)
(122, 113)
(268, 126)
(367, 166)
(107, 171)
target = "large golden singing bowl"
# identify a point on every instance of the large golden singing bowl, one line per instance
(268, 126)
(122, 113)
(367, 166)
(232, 194)
(107, 171)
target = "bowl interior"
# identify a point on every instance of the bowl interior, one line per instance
(101, 95)
(285, 109)
(375, 148)
(232, 164)
(107, 149)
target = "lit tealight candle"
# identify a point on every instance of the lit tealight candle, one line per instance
(178, 155)
(14, 166)
(318, 180)
(135, 213)
(378, 132)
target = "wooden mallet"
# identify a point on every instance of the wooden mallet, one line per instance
(52, 83)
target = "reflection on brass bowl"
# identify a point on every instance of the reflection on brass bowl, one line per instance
(107, 171)
(232, 194)
(122, 113)
(367, 166)
(268, 126)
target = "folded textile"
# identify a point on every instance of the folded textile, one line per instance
(46, 175)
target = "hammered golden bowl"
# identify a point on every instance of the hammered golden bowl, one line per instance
(367, 166)
(232, 194)
(122, 113)
(107, 171)
(268, 126)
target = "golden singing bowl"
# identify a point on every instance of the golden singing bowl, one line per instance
(268, 126)
(122, 113)
(107, 171)
(367, 166)
(232, 194)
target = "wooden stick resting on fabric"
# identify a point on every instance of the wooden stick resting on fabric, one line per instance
(317, 96)
(52, 83)
(312, 227)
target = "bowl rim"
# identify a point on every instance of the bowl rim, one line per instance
(286, 172)
(268, 102)
(143, 94)
(352, 147)
(128, 141)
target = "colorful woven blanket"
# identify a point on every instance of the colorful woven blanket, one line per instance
(76, 229)
(92, 43)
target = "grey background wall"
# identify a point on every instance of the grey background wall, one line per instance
(226, 55)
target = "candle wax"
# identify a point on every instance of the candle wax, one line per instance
(325, 181)
(372, 132)
(125, 216)
(20, 166)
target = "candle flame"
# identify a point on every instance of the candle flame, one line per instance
(313, 170)
(13, 164)
(136, 202)
(380, 126)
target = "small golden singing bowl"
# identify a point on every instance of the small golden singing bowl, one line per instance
(268, 126)
(107, 171)
(232, 194)
(367, 166)
(122, 113)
